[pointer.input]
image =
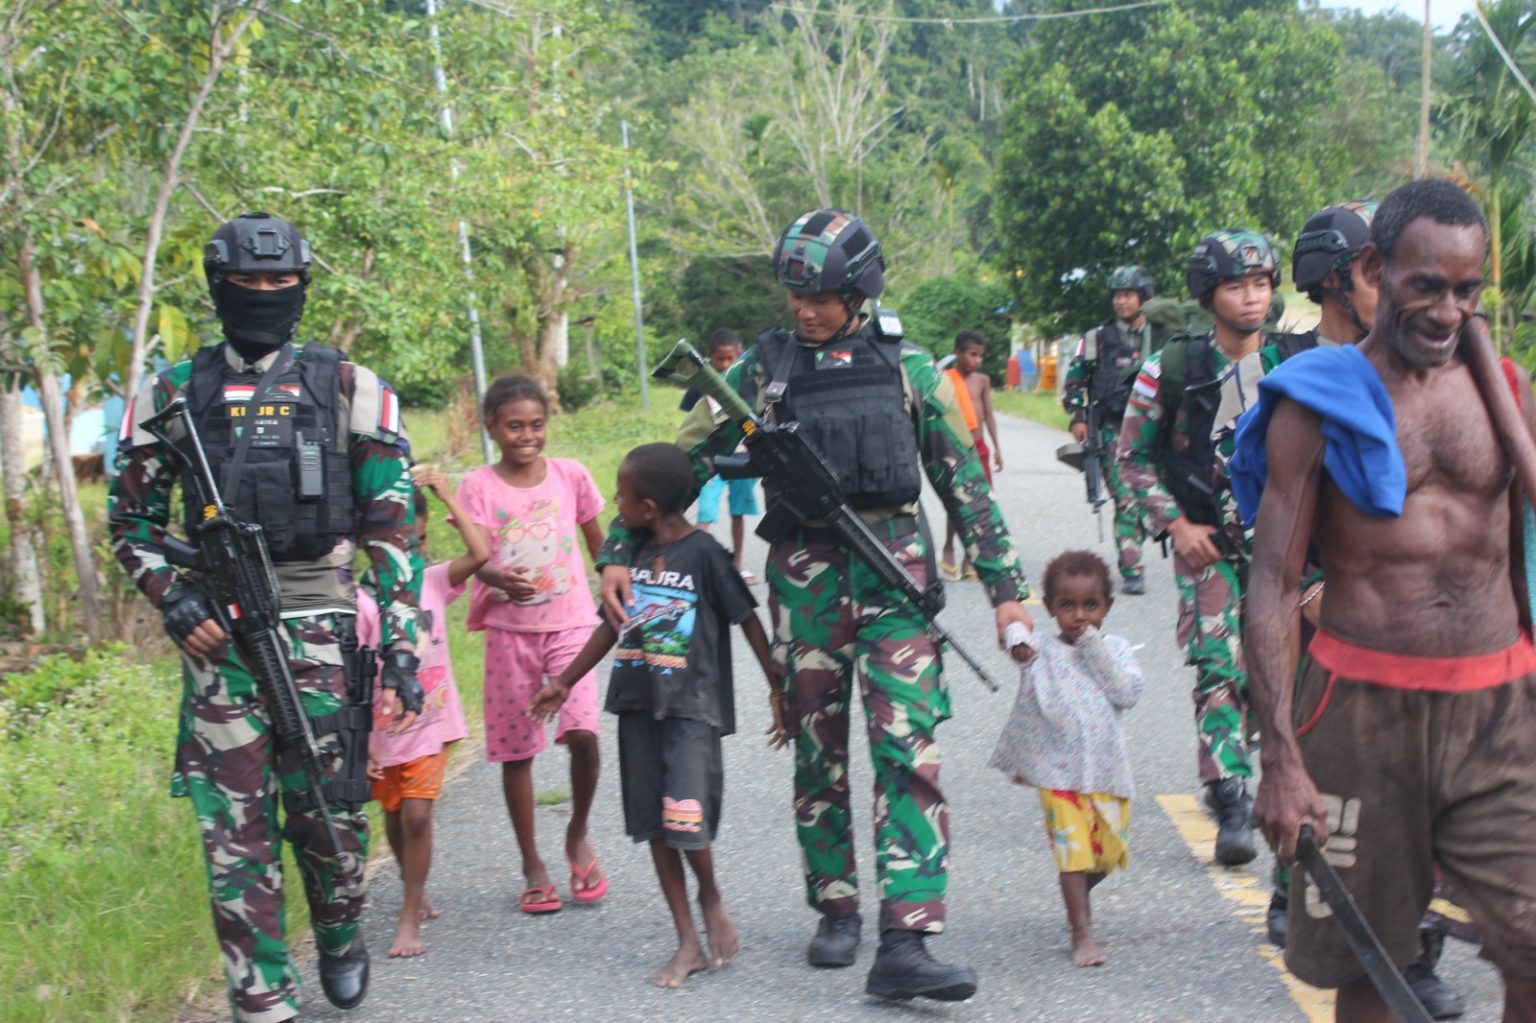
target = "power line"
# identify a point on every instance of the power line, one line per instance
(996, 19)
(1509, 61)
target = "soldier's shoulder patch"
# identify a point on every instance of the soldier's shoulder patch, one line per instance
(154, 394)
(375, 409)
(1148, 375)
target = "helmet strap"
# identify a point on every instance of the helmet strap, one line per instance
(852, 323)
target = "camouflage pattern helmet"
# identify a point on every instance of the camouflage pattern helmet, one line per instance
(255, 243)
(829, 250)
(1228, 255)
(1330, 240)
(1133, 278)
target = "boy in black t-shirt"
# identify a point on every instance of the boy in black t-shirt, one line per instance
(671, 688)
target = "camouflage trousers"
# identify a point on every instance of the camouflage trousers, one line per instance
(831, 617)
(1210, 630)
(1127, 524)
(226, 763)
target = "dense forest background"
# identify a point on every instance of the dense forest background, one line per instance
(1007, 158)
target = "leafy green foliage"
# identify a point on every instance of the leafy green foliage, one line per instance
(1128, 138)
(938, 309)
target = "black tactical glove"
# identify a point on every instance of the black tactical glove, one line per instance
(184, 611)
(399, 674)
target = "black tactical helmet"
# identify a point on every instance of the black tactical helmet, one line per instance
(1133, 278)
(829, 250)
(1228, 255)
(1330, 240)
(255, 242)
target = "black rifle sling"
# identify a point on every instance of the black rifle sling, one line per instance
(774, 392)
(248, 432)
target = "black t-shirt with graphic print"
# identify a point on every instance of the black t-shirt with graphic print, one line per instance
(674, 658)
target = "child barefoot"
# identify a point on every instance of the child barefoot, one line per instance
(533, 602)
(671, 688)
(1065, 737)
(407, 766)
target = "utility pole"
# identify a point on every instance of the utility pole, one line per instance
(1421, 150)
(466, 254)
(634, 276)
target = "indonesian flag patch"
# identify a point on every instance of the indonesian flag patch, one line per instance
(239, 394)
(834, 359)
(389, 412)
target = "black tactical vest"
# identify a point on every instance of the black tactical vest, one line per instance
(1113, 372)
(297, 479)
(1287, 345)
(848, 397)
(1185, 451)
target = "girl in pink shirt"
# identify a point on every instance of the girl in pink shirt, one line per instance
(407, 766)
(534, 605)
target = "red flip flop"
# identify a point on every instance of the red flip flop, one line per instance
(580, 877)
(548, 902)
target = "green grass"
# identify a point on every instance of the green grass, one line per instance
(551, 797)
(101, 893)
(1039, 406)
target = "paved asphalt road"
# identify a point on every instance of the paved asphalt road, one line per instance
(1184, 939)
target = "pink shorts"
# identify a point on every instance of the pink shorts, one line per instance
(516, 667)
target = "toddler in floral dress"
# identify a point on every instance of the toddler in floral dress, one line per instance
(1064, 735)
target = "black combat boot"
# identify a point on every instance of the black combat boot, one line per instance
(903, 969)
(1233, 807)
(836, 942)
(1435, 994)
(1135, 586)
(344, 978)
(1278, 916)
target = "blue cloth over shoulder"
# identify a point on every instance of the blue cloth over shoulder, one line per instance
(1359, 428)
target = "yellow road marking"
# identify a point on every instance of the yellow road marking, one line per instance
(1251, 895)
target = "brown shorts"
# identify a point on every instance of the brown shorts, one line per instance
(1413, 779)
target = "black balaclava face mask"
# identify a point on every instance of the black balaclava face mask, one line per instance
(257, 323)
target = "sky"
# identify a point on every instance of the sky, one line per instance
(1443, 14)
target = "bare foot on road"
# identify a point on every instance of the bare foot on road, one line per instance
(428, 911)
(1086, 952)
(687, 960)
(407, 938)
(720, 929)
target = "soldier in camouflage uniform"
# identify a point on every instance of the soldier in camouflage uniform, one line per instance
(1100, 378)
(1168, 458)
(882, 415)
(354, 488)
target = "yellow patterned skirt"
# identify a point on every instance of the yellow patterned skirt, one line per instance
(1088, 831)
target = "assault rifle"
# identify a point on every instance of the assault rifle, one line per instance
(1088, 458)
(805, 487)
(236, 572)
(1093, 466)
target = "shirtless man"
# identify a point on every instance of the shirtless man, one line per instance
(1409, 737)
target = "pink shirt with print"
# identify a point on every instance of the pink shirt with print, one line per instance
(536, 529)
(442, 715)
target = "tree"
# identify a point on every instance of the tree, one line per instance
(1492, 116)
(1132, 134)
(939, 308)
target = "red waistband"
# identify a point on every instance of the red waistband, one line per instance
(1435, 674)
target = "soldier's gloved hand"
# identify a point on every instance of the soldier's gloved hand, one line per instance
(402, 689)
(190, 623)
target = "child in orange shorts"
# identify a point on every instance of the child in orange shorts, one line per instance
(407, 765)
